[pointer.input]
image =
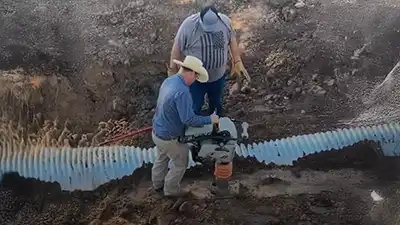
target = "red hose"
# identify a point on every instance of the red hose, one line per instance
(128, 135)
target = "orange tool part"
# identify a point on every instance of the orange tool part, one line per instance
(223, 171)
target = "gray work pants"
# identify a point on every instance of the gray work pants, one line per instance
(179, 155)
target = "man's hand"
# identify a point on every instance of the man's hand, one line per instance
(239, 70)
(214, 119)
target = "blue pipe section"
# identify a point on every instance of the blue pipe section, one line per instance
(88, 168)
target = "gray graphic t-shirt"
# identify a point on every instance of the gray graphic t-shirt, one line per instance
(211, 48)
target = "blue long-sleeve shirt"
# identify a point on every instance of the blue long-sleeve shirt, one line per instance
(174, 109)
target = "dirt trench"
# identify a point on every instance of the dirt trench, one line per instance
(315, 193)
(104, 62)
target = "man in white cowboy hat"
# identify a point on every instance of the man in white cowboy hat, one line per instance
(174, 111)
(208, 35)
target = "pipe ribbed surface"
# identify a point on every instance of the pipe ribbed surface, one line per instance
(88, 168)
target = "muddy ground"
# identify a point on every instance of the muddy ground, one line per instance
(312, 64)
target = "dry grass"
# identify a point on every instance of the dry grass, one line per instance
(46, 133)
(22, 127)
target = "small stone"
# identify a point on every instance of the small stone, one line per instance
(303, 217)
(269, 97)
(234, 187)
(271, 73)
(314, 77)
(185, 207)
(288, 13)
(298, 90)
(245, 89)
(330, 82)
(95, 222)
(300, 4)
(303, 111)
(114, 20)
(318, 90)
(127, 62)
(234, 89)
(153, 36)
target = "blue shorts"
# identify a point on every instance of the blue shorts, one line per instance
(214, 91)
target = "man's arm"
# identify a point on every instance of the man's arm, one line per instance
(175, 54)
(233, 44)
(237, 64)
(178, 46)
(235, 53)
(184, 103)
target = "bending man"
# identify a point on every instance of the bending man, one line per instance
(208, 35)
(174, 111)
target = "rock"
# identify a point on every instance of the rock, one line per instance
(303, 111)
(246, 88)
(300, 4)
(114, 20)
(186, 208)
(153, 36)
(95, 222)
(330, 82)
(288, 13)
(271, 73)
(318, 90)
(358, 52)
(314, 77)
(234, 89)
(269, 97)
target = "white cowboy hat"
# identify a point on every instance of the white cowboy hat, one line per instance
(196, 65)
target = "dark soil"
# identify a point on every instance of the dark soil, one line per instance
(27, 201)
(303, 81)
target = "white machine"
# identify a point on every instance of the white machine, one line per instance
(216, 143)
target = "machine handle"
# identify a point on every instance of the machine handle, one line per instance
(215, 128)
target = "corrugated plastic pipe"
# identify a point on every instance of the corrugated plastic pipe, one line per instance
(88, 168)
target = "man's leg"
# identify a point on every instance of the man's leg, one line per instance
(179, 155)
(215, 95)
(197, 90)
(160, 165)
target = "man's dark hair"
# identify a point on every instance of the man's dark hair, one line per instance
(208, 8)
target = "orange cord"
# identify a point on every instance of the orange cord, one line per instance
(223, 171)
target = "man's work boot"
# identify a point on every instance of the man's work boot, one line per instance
(156, 192)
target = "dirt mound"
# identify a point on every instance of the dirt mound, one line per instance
(309, 62)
